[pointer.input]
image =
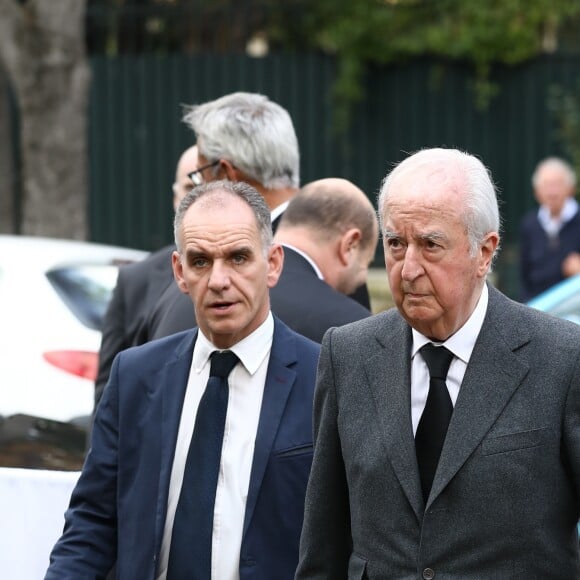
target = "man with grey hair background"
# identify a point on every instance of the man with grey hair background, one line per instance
(550, 235)
(447, 429)
(240, 137)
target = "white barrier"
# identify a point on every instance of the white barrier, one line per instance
(32, 506)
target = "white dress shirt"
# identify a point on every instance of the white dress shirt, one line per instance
(278, 210)
(460, 344)
(246, 387)
(551, 225)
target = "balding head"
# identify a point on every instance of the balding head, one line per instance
(334, 223)
(329, 207)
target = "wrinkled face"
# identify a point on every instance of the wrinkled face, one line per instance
(434, 279)
(224, 268)
(553, 188)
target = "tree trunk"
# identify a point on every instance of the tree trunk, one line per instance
(8, 174)
(42, 45)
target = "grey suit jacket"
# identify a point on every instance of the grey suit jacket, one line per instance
(504, 502)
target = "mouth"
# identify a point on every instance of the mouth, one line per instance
(221, 306)
(414, 295)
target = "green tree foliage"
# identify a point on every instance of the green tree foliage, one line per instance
(480, 32)
(564, 106)
(360, 33)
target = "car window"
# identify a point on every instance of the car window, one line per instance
(86, 290)
(568, 308)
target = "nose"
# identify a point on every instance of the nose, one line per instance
(219, 277)
(412, 267)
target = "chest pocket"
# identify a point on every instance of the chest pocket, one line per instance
(516, 441)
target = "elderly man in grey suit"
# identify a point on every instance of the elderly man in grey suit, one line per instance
(465, 472)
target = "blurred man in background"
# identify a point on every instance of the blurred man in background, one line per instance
(329, 233)
(550, 235)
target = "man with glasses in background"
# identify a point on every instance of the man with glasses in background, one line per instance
(240, 137)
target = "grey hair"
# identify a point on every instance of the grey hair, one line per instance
(238, 189)
(251, 132)
(555, 162)
(481, 215)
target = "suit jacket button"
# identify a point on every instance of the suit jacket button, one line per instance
(428, 574)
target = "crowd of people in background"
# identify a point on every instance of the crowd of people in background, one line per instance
(254, 419)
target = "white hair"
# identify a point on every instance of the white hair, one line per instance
(481, 214)
(556, 163)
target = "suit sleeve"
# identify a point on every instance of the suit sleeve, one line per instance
(325, 544)
(113, 338)
(524, 265)
(572, 430)
(87, 547)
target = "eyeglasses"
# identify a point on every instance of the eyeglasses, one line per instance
(197, 177)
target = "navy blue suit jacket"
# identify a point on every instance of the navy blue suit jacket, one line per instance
(541, 259)
(118, 508)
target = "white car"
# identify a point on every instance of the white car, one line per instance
(53, 295)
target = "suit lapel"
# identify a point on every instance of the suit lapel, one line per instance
(279, 381)
(493, 374)
(389, 377)
(173, 377)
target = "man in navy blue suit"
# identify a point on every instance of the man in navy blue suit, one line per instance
(550, 235)
(127, 498)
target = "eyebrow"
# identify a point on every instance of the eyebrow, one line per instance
(433, 237)
(196, 253)
(428, 237)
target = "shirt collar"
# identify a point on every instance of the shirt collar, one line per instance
(569, 210)
(306, 257)
(278, 210)
(251, 350)
(460, 343)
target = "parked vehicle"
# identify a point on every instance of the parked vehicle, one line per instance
(562, 300)
(53, 296)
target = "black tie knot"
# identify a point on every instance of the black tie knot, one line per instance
(222, 363)
(438, 359)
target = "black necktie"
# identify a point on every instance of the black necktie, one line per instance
(190, 551)
(434, 421)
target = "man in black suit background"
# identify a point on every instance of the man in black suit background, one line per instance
(139, 286)
(329, 233)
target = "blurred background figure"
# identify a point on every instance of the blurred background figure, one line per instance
(139, 286)
(550, 235)
(329, 232)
